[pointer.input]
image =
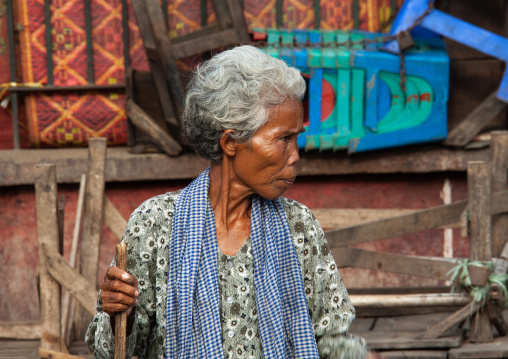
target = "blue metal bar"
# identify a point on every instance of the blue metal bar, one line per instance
(125, 35)
(12, 67)
(49, 44)
(89, 44)
(453, 28)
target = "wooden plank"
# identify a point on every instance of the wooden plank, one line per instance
(414, 354)
(141, 120)
(409, 322)
(396, 226)
(409, 300)
(221, 11)
(51, 354)
(92, 222)
(47, 231)
(238, 19)
(335, 218)
(20, 330)
(398, 263)
(476, 121)
(113, 219)
(430, 218)
(68, 305)
(406, 340)
(210, 42)
(499, 148)
(145, 29)
(18, 165)
(76, 284)
(480, 248)
(497, 349)
(442, 327)
(166, 55)
(94, 205)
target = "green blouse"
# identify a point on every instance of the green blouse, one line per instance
(147, 237)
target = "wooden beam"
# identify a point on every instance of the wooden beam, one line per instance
(113, 219)
(18, 165)
(143, 121)
(92, 222)
(442, 327)
(499, 148)
(397, 226)
(398, 263)
(94, 205)
(409, 300)
(476, 121)
(84, 292)
(431, 218)
(47, 231)
(479, 176)
(20, 330)
(52, 354)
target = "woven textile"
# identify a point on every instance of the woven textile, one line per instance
(193, 315)
(69, 119)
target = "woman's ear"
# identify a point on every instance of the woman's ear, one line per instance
(228, 144)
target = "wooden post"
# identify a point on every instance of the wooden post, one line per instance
(47, 232)
(121, 318)
(92, 223)
(499, 148)
(480, 248)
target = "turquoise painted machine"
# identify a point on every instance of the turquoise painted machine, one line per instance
(359, 97)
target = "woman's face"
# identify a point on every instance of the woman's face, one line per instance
(266, 164)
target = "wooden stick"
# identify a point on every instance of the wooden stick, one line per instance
(68, 305)
(480, 247)
(47, 230)
(121, 318)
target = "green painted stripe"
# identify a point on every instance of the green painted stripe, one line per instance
(125, 35)
(356, 14)
(89, 45)
(279, 14)
(204, 13)
(317, 14)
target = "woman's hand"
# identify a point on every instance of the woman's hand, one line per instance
(119, 292)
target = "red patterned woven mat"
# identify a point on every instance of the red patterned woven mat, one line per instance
(69, 119)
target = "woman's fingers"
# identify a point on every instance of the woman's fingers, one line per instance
(119, 291)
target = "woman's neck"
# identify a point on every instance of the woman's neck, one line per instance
(231, 204)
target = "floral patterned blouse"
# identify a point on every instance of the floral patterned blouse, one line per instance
(147, 235)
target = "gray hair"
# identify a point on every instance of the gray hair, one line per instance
(235, 90)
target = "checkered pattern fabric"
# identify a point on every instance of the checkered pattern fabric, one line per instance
(193, 326)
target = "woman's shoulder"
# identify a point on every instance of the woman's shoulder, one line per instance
(295, 208)
(162, 204)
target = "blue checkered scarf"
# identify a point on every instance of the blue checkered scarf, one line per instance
(193, 327)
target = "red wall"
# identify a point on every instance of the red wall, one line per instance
(18, 226)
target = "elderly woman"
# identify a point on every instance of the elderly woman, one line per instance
(227, 268)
